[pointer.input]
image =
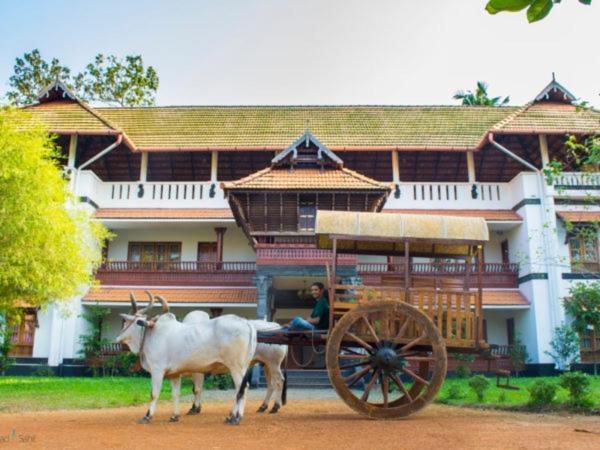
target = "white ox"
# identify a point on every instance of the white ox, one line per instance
(270, 355)
(169, 348)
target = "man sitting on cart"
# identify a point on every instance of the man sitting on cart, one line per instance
(319, 317)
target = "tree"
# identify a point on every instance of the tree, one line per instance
(108, 80)
(49, 244)
(479, 97)
(565, 347)
(113, 81)
(536, 9)
(31, 74)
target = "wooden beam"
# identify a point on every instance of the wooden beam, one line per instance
(171, 165)
(436, 165)
(395, 167)
(129, 172)
(457, 171)
(192, 166)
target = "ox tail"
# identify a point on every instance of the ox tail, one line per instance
(251, 350)
(244, 385)
(284, 390)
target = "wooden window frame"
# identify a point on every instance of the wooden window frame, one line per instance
(584, 264)
(155, 263)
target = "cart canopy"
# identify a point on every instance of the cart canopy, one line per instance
(383, 233)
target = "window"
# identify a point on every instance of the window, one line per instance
(154, 255)
(307, 210)
(23, 334)
(207, 251)
(584, 252)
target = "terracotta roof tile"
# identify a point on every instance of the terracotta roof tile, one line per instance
(274, 127)
(69, 116)
(504, 298)
(549, 117)
(336, 179)
(579, 216)
(487, 214)
(209, 295)
(164, 213)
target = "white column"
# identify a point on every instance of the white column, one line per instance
(144, 167)
(544, 149)
(214, 162)
(471, 167)
(72, 151)
(395, 167)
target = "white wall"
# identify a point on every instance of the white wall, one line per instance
(235, 244)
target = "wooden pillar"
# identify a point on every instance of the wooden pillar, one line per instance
(471, 167)
(144, 167)
(72, 151)
(395, 167)
(406, 272)
(220, 233)
(332, 283)
(479, 306)
(214, 163)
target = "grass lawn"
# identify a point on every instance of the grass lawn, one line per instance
(507, 398)
(48, 393)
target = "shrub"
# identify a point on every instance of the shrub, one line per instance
(518, 354)
(577, 384)
(541, 393)
(479, 385)
(5, 347)
(565, 347)
(220, 381)
(463, 370)
(43, 371)
(454, 392)
(502, 397)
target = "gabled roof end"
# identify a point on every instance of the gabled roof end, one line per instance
(555, 92)
(56, 91)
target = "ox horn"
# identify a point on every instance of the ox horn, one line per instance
(134, 307)
(150, 305)
(163, 302)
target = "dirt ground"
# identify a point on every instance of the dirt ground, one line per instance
(302, 424)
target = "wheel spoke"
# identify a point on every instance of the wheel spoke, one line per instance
(356, 376)
(360, 342)
(353, 356)
(385, 387)
(357, 364)
(369, 386)
(402, 329)
(412, 343)
(400, 384)
(415, 377)
(370, 328)
(420, 358)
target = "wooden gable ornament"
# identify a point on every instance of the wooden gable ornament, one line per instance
(307, 151)
(556, 93)
(56, 91)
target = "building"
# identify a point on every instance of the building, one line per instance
(213, 207)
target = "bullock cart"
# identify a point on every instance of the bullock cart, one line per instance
(387, 345)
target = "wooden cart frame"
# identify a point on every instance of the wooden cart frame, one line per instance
(386, 346)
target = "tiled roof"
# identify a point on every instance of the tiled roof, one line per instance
(300, 179)
(503, 298)
(579, 216)
(487, 214)
(274, 127)
(547, 117)
(164, 213)
(68, 116)
(205, 295)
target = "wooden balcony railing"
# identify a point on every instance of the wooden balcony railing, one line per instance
(298, 254)
(174, 273)
(495, 275)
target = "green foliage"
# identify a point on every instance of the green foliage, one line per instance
(50, 243)
(220, 381)
(93, 341)
(44, 371)
(112, 80)
(518, 354)
(577, 384)
(455, 392)
(541, 393)
(502, 397)
(108, 79)
(463, 370)
(536, 9)
(5, 347)
(565, 346)
(583, 304)
(120, 364)
(480, 97)
(479, 385)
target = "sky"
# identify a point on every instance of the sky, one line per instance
(272, 52)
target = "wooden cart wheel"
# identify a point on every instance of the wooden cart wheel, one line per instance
(386, 359)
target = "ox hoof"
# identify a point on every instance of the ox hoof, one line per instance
(275, 408)
(144, 420)
(194, 410)
(233, 420)
(174, 419)
(262, 408)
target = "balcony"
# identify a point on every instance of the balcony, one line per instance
(176, 273)
(495, 275)
(298, 255)
(121, 194)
